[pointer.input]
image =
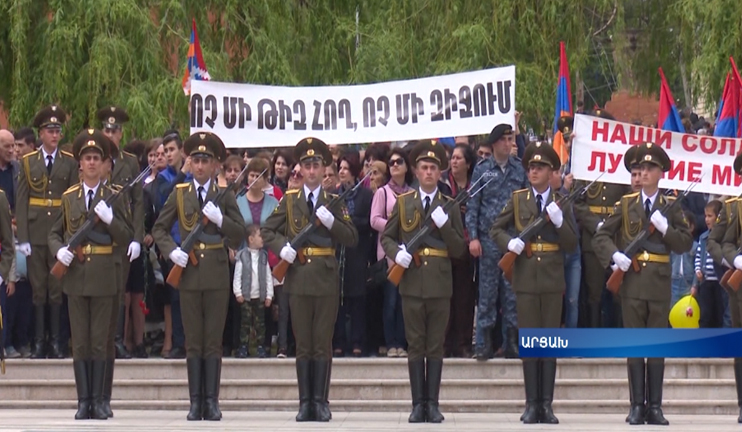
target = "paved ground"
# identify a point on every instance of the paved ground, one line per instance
(164, 421)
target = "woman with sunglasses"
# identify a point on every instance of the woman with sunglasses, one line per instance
(381, 208)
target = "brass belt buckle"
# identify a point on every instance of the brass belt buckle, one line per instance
(202, 246)
(87, 250)
(540, 247)
(426, 252)
(309, 251)
(49, 203)
(646, 256)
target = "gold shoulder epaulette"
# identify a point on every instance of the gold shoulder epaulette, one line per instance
(731, 200)
(670, 197)
(33, 153)
(66, 153)
(71, 189)
(407, 193)
(520, 191)
(129, 154)
(292, 191)
(114, 187)
(631, 195)
(182, 185)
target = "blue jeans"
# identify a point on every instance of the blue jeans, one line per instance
(17, 314)
(392, 315)
(572, 276)
(178, 332)
(680, 288)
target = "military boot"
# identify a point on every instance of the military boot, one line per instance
(319, 381)
(548, 378)
(416, 369)
(195, 388)
(98, 377)
(108, 388)
(39, 349)
(531, 378)
(655, 376)
(511, 347)
(121, 351)
(738, 383)
(211, 409)
(304, 380)
(637, 390)
(82, 383)
(433, 385)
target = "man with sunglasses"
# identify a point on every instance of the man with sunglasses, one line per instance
(44, 176)
(312, 277)
(481, 212)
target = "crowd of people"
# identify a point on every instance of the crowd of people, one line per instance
(470, 301)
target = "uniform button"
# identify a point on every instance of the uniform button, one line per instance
(202, 255)
(644, 264)
(88, 259)
(309, 260)
(605, 187)
(539, 237)
(603, 198)
(50, 192)
(538, 258)
(48, 213)
(425, 263)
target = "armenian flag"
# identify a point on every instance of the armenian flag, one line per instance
(563, 103)
(669, 118)
(728, 122)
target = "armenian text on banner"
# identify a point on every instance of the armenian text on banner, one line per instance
(248, 115)
(599, 146)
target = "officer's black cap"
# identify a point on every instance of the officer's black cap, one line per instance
(498, 132)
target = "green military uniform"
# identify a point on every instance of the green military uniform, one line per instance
(313, 284)
(7, 245)
(205, 286)
(730, 221)
(87, 282)
(538, 276)
(124, 168)
(41, 183)
(645, 292)
(427, 286)
(716, 236)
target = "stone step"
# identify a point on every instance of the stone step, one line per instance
(372, 389)
(580, 406)
(371, 368)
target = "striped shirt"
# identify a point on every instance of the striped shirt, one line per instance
(708, 267)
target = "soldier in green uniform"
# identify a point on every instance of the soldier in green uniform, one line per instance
(538, 274)
(645, 292)
(312, 281)
(7, 243)
(730, 243)
(204, 287)
(591, 210)
(426, 288)
(44, 176)
(87, 283)
(124, 168)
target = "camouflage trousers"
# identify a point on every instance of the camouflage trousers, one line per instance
(252, 323)
(493, 287)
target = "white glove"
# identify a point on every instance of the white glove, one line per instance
(439, 217)
(622, 261)
(600, 224)
(659, 222)
(555, 214)
(213, 213)
(134, 251)
(326, 217)
(25, 248)
(738, 262)
(1, 280)
(516, 245)
(288, 253)
(104, 212)
(65, 256)
(403, 257)
(614, 267)
(179, 258)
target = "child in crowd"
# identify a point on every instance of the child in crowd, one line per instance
(682, 266)
(713, 300)
(253, 288)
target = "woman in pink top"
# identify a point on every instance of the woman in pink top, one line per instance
(381, 208)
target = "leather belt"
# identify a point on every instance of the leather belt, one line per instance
(601, 210)
(544, 247)
(315, 251)
(648, 257)
(440, 253)
(97, 250)
(206, 246)
(42, 202)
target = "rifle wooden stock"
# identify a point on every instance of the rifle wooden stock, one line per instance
(615, 281)
(506, 265)
(724, 282)
(394, 275)
(279, 271)
(176, 273)
(59, 269)
(734, 280)
(79, 254)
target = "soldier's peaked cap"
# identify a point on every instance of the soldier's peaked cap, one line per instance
(653, 154)
(431, 151)
(565, 124)
(51, 116)
(630, 158)
(541, 153)
(313, 149)
(112, 117)
(91, 140)
(205, 144)
(738, 164)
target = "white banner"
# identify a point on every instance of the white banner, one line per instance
(599, 146)
(247, 115)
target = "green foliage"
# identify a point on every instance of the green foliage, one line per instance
(84, 54)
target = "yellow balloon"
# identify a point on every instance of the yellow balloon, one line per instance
(685, 313)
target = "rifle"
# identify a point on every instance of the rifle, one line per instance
(396, 272)
(245, 188)
(616, 279)
(176, 273)
(508, 260)
(75, 242)
(279, 271)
